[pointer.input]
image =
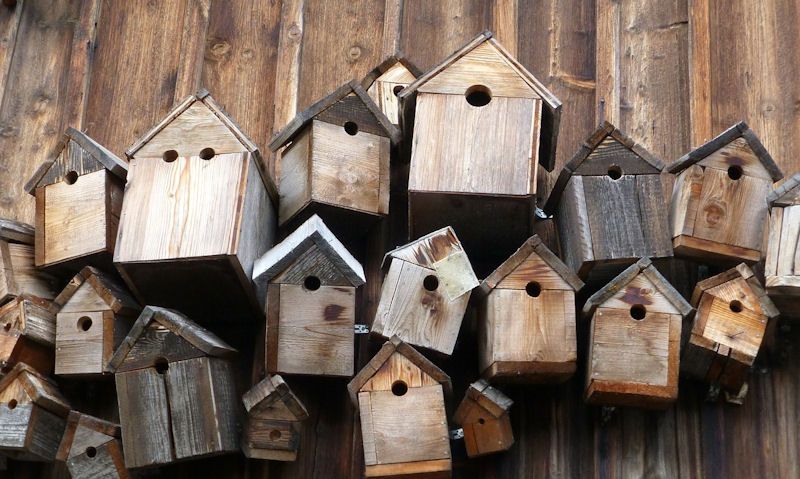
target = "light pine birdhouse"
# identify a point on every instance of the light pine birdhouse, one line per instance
(78, 204)
(782, 266)
(634, 344)
(425, 292)
(386, 81)
(199, 209)
(309, 281)
(483, 415)
(175, 390)
(400, 398)
(527, 318)
(91, 448)
(95, 314)
(18, 273)
(28, 333)
(274, 417)
(718, 210)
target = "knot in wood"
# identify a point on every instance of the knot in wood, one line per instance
(220, 49)
(295, 32)
(354, 53)
(714, 214)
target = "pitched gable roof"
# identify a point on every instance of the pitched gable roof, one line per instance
(739, 271)
(389, 62)
(42, 391)
(787, 194)
(16, 232)
(270, 391)
(110, 291)
(491, 399)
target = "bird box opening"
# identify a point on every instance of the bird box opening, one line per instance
(161, 365)
(351, 128)
(478, 95)
(614, 172)
(481, 420)
(399, 388)
(7, 327)
(430, 283)
(91, 452)
(736, 306)
(312, 283)
(71, 177)
(397, 89)
(533, 289)
(207, 153)
(169, 156)
(735, 172)
(12, 404)
(274, 434)
(84, 323)
(638, 312)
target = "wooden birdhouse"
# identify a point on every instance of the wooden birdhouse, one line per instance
(386, 81)
(32, 415)
(481, 123)
(782, 269)
(635, 335)
(91, 448)
(78, 204)
(608, 204)
(175, 390)
(18, 274)
(199, 209)
(527, 318)
(483, 415)
(95, 314)
(400, 398)
(718, 210)
(274, 415)
(309, 281)
(425, 292)
(732, 314)
(27, 333)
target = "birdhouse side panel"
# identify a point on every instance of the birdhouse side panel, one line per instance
(44, 433)
(574, 231)
(103, 462)
(18, 275)
(257, 223)
(783, 260)
(686, 193)
(294, 187)
(80, 343)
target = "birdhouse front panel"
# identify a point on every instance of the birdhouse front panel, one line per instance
(274, 416)
(80, 342)
(387, 85)
(91, 449)
(483, 415)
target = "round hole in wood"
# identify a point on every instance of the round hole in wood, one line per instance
(478, 95)
(12, 404)
(481, 420)
(91, 452)
(351, 128)
(312, 283)
(736, 306)
(161, 365)
(274, 435)
(71, 177)
(735, 172)
(397, 89)
(638, 312)
(169, 156)
(431, 282)
(399, 388)
(7, 326)
(614, 172)
(207, 153)
(533, 289)
(84, 323)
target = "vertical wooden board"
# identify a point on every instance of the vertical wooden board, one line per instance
(294, 186)
(257, 222)
(774, 242)
(653, 214)
(45, 432)
(574, 229)
(614, 217)
(685, 195)
(789, 236)
(79, 343)
(227, 402)
(27, 277)
(14, 425)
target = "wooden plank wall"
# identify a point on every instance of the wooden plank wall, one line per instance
(671, 73)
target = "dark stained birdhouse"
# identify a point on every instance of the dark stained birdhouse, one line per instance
(18, 273)
(309, 281)
(782, 267)
(718, 212)
(175, 390)
(425, 292)
(483, 415)
(527, 318)
(386, 81)
(28, 333)
(91, 448)
(400, 398)
(635, 335)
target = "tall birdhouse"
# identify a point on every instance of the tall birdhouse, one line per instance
(718, 210)
(609, 206)
(481, 124)
(18, 274)
(95, 313)
(309, 281)
(400, 398)
(635, 336)
(175, 390)
(425, 292)
(32, 415)
(273, 425)
(78, 204)
(782, 268)
(732, 314)
(335, 160)
(27, 333)
(91, 448)
(483, 415)
(527, 318)
(386, 81)
(199, 209)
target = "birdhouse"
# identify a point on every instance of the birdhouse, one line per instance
(386, 81)
(78, 204)
(175, 390)
(91, 448)
(335, 160)
(95, 314)
(782, 270)
(27, 333)
(527, 318)
(32, 415)
(635, 335)
(728, 329)
(425, 292)
(18, 274)
(199, 209)
(274, 415)
(718, 210)
(309, 281)
(481, 123)
(483, 415)
(400, 398)
(609, 206)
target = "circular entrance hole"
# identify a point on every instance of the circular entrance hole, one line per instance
(736, 306)
(7, 327)
(399, 388)
(161, 365)
(84, 323)
(71, 177)
(614, 172)
(735, 172)
(430, 282)
(312, 283)
(638, 312)
(12, 404)
(351, 128)
(169, 156)
(397, 89)
(533, 289)
(207, 153)
(481, 420)
(274, 435)
(478, 95)
(91, 452)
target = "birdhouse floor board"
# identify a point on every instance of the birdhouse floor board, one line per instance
(705, 250)
(436, 469)
(269, 454)
(529, 372)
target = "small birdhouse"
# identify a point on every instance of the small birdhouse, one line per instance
(274, 415)
(95, 314)
(425, 292)
(335, 160)
(18, 274)
(635, 335)
(78, 204)
(310, 282)
(91, 448)
(386, 81)
(175, 390)
(400, 398)
(609, 206)
(718, 210)
(199, 209)
(481, 123)
(527, 318)
(782, 269)
(728, 329)
(27, 333)
(483, 415)
(32, 415)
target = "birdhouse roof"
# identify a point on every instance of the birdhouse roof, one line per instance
(387, 65)
(739, 130)
(741, 271)
(270, 392)
(643, 266)
(395, 345)
(16, 232)
(42, 391)
(109, 290)
(787, 194)
(94, 433)
(490, 399)
(341, 97)
(91, 154)
(311, 233)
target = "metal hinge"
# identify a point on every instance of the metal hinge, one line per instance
(457, 434)
(360, 329)
(541, 214)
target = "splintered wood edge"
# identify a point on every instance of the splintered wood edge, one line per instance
(16, 231)
(774, 198)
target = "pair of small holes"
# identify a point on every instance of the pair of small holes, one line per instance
(478, 95)
(171, 155)
(84, 323)
(399, 388)
(312, 283)
(430, 283)
(638, 312)
(736, 306)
